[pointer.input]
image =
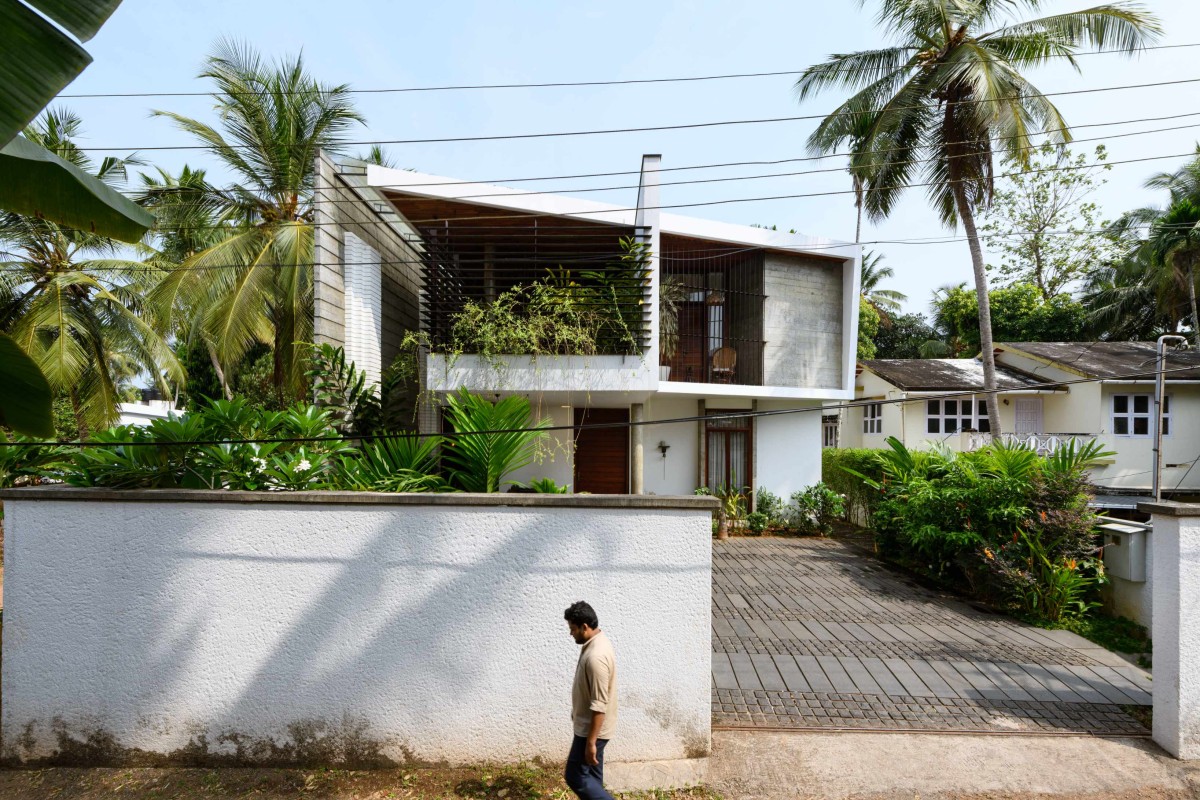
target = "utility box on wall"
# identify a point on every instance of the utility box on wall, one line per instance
(1125, 550)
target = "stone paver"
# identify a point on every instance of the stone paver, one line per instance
(812, 633)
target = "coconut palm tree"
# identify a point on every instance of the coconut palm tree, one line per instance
(1161, 262)
(948, 96)
(73, 301)
(254, 285)
(885, 301)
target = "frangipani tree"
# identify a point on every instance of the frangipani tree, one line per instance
(949, 96)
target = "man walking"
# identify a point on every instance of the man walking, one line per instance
(593, 703)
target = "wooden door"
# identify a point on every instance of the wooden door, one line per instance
(1029, 415)
(691, 355)
(601, 454)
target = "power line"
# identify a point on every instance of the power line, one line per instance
(568, 84)
(539, 192)
(618, 209)
(600, 425)
(684, 126)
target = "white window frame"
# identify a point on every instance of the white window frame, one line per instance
(1129, 415)
(873, 418)
(976, 420)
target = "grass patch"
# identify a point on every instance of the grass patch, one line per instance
(498, 782)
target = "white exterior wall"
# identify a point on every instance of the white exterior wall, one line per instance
(378, 631)
(677, 473)
(1174, 630)
(363, 284)
(787, 448)
(1134, 462)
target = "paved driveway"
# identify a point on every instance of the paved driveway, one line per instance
(813, 633)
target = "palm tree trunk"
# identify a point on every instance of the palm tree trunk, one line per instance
(858, 204)
(1191, 279)
(986, 346)
(216, 365)
(80, 420)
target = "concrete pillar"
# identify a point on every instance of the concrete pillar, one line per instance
(1175, 628)
(637, 456)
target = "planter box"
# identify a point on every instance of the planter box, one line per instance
(344, 628)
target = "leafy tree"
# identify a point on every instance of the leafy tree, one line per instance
(905, 337)
(947, 96)
(1043, 223)
(1019, 314)
(254, 286)
(72, 303)
(868, 327)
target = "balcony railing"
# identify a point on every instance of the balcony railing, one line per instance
(1043, 444)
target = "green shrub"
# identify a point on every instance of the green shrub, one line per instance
(815, 509)
(547, 486)
(757, 522)
(835, 473)
(771, 506)
(491, 440)
(1000, 522)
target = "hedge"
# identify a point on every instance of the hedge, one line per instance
(860, 498)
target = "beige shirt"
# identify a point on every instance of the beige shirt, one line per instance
(595, 687)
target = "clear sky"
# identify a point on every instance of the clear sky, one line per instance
(159, 46)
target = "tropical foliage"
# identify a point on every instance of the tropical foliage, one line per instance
(1001, 522)
(1153, 289)
(935, 107)
(253, 286)
(72, 301)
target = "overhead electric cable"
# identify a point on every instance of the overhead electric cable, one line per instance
(611, 82)
(683, 126)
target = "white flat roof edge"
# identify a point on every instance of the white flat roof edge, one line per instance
(509, 199)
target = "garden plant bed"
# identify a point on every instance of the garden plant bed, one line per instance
(523, 782)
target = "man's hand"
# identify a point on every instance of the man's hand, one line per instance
(589, 753)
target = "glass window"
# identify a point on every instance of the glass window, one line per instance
(873, 418)
(1133, 415)
(953, 416)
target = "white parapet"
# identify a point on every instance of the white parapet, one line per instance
(448, 373)
(1175, 576)
(346, 628)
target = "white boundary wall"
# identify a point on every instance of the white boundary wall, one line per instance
(343, 627)
(1175, 574)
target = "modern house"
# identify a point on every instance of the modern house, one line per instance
(766, 322)
(1050, 392)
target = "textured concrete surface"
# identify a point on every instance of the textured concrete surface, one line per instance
(813, 633)
(346, 634)
(1175, 572)
(869, 766)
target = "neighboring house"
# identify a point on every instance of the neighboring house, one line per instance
(1111, 407)
(143, 412)
(767, 322)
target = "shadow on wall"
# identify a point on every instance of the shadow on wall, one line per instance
(240, 634)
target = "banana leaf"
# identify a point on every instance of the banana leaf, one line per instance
(25, 399)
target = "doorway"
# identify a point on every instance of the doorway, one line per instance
(728, 452)
(1028, 415)
(601, 454)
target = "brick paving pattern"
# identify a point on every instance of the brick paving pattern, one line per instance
(812, 633)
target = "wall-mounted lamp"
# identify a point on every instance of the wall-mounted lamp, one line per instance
(663, 447)
(1006, 401)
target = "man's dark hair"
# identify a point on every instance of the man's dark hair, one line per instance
(581, 613)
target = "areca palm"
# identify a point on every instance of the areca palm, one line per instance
(254, 285)
(72, 301)
(885, 301)
(950, 95)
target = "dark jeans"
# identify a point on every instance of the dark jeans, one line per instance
(587, 782)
